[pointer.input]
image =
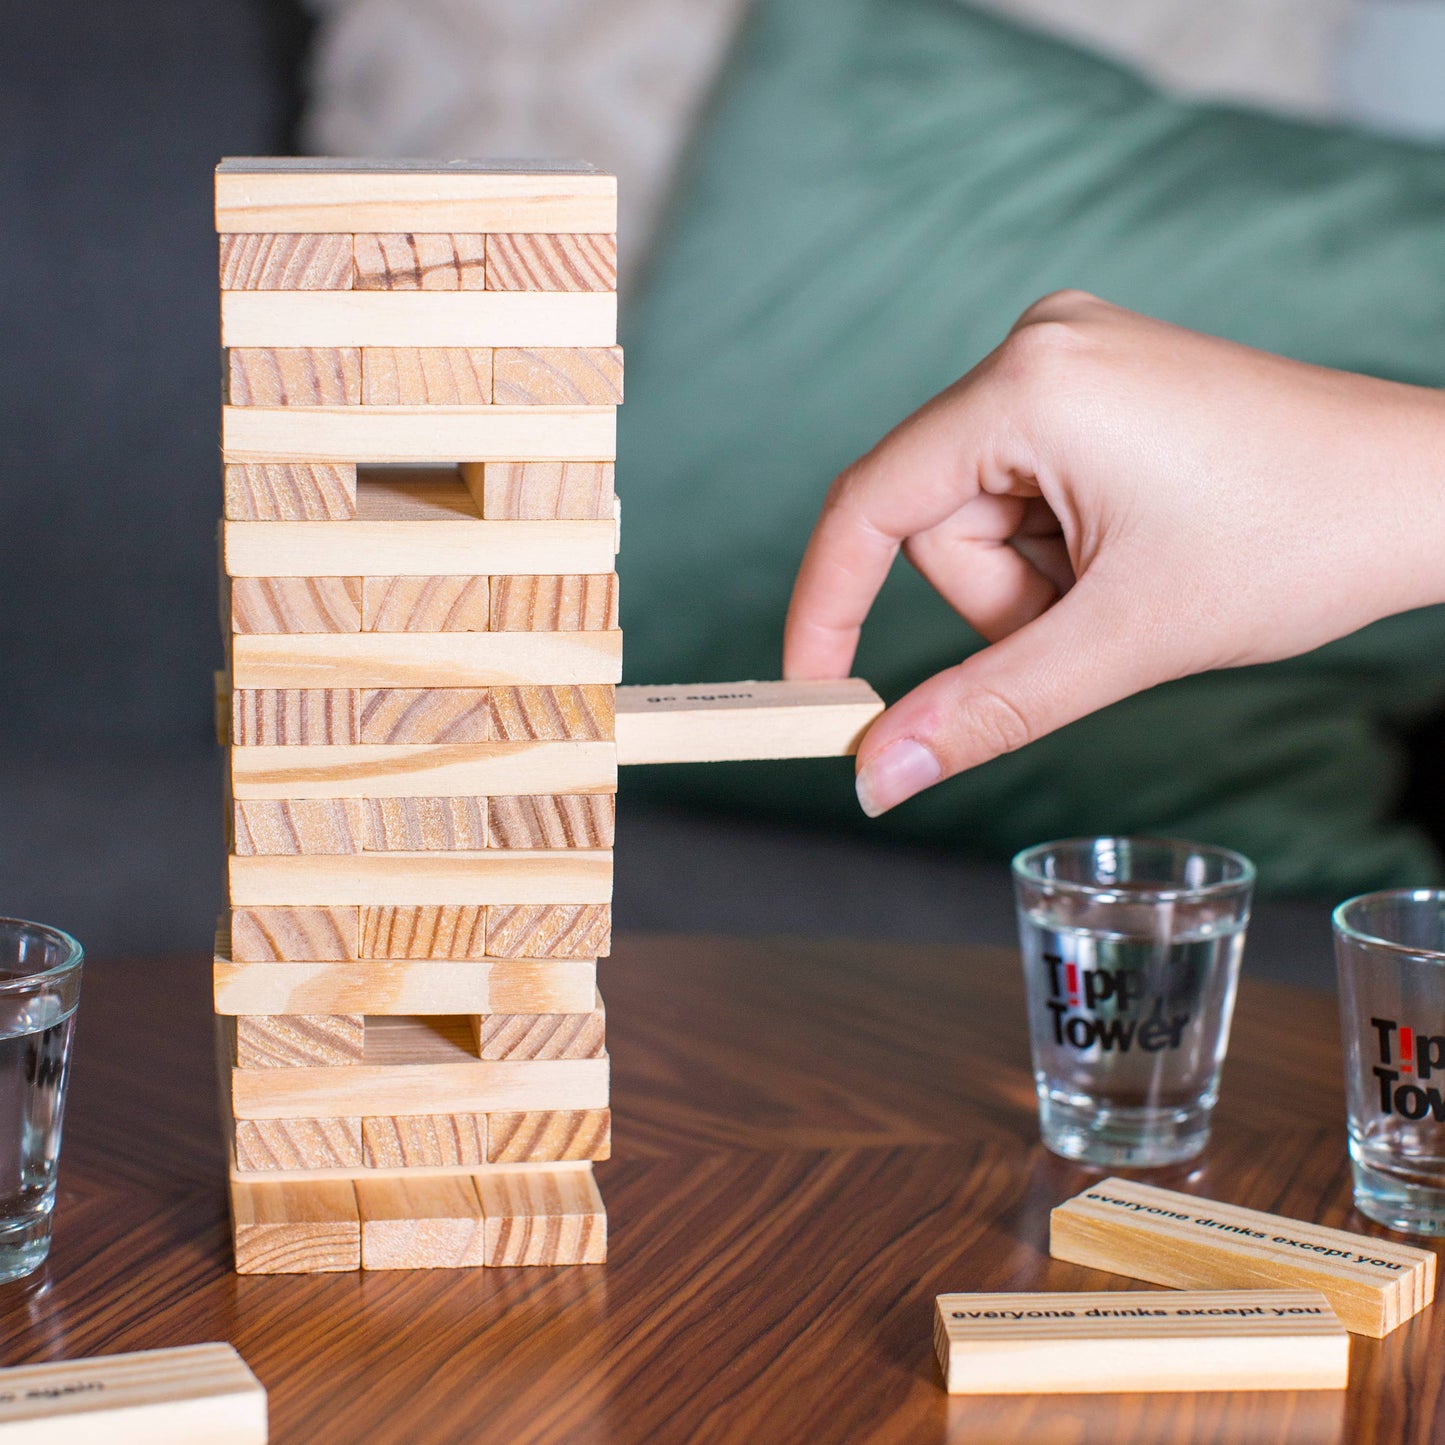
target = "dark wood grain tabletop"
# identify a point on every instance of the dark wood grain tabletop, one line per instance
(812, 1140)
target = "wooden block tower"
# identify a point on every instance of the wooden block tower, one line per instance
(422, 713)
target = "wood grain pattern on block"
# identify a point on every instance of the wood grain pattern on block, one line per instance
(536, 262)
(1137, 1341)
(408, 987)
(264, 935)
(549, 1136)
(291, 492)
(424, 1141)
(417, 318)
(424, 825)
(1192, 1243)
(549, 931)
(454, 931)
(295, 604)
(269, 1041)
(420, 1223)
(323, 194)
(375, 1089)
(426, 604)
(151, 1397)
(554, 604)
(426, 715)
(552, 1216)
(557, 376)
(541, 1036)
(493, 875)
(728, 722)
(424, 261)
(543, 491)
(551, 820)
(270, 1145)
(426, 375)
(293, 376)
(293, 717)
(420, 1041)
(262, 262)
(551, 714)
(289, 1227)
(297, 825)
(463, 547)
(442, 770)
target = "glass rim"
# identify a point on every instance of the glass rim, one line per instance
(1347, 930)
(1021, 868)
(74, 955)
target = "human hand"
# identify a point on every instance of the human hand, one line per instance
(1112, 502)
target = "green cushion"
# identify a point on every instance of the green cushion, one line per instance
(881, 187)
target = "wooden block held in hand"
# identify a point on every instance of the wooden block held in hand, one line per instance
(293, 376)
(269, 1145)
(274, 1041)
(295, 604)
(416, 1141)
(291, 492)
(554, 604)
(552, 714)
(549, 1136)
(542, 491)
(426, 715)
(549, 931)
(542, 1036)
(408, 261)
(439, 931)
(543, 1217)
(426, 375)
(149, 1397)
(261, 262)
(422, 825)
(294, 935)
(297, 825)
(532, 262)
(426, 604)
(433, 1223)
(1024, 1344)
(550, 820)
(295, 1228)
(557, 376)
(1182, 1240)
(294, 717)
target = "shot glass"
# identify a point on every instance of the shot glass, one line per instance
(39, 990)
(1390, 950)
(1131, 950)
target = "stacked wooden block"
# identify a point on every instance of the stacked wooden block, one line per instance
(420, 608)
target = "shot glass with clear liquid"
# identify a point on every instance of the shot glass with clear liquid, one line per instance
(39, 989)
(1390, 951)
(1131, 951)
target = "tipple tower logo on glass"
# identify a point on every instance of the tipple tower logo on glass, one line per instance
(1408, 1060)
(1077, 992)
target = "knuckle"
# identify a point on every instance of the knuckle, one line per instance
(995, 724)
(1064, 305)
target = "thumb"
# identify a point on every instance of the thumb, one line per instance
(1078, 656)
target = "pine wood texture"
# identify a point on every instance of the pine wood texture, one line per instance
(295, 604)
(273, 935)
(453, 931)
(420, 1223)
(420, 1141)
(728, 722)
(295, 1228)
(554, 604)
(549, 931)
(426, 715)
(266, 1041)
(152, 1397)
(543, 490)
(1188, 1242)
(266, 1146)
(426, 376)
(426, 604)
(292, 717)
(291, 492)
(404, 261)
(421, 825)
(535, 262)
(263, 826)
(552, 821)
(542, 1036)
(549, 1137)
(1024, 1344)
(260, 262)
(557, 376)
(293, 376)
(543, 1218)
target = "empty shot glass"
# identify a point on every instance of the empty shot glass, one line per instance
(1131, 951)
(1390, 951)
(39, 990)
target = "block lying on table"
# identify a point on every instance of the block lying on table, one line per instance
(295, 1227)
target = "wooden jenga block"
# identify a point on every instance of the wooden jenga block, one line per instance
(433, 1223)
(551, 820)
(426, 715)
(261, 262)
(549, 1136)
(295, 1228)
(541, 1036)
(423, 825)
(415, 932)
(549, 931)
(545, 1216)
(291, 492)
(557, 376)
(426, 375)
(424, 1141)
(554, 604)
(295, 604)
(542, 491)
(1188, 1242)
(407, 261)
(297, 825)
(533, 262)
(273, 1041)
(293, 376)
(261, 935)
(293, 717)
(529, 985)
(268, 1145)
(426, 604)
(1026, 1344)
(552, 714)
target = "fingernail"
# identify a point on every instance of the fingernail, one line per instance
(898, 772)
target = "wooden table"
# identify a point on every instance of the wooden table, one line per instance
(812, 1140)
